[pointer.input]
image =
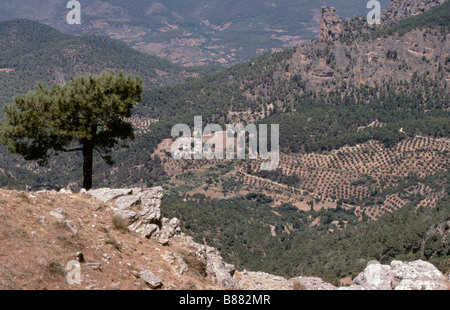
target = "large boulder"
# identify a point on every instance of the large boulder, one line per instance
(126, 202)
(150, 204)
(176, 262)
(169, 228)
(416, 275)
(375, 277)
(107, 194)
(216, 269)
(140, 209)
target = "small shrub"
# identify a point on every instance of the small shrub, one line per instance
(24, 197)
(120, 223)
(55, 267)
(298, 286)
(195, 265)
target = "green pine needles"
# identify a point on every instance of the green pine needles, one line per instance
(87, 114)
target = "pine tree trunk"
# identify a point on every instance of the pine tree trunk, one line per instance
(88, 155)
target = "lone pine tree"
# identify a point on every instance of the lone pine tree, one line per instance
(87, 114)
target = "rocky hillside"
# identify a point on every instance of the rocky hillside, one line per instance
(120, 241)
(352, 53)
(401, 9)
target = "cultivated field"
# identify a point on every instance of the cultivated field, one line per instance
(349, 175)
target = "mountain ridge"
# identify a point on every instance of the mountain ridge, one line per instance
(192, 32)
(37, 52)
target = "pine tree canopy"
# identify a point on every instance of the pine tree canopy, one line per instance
(88, 113)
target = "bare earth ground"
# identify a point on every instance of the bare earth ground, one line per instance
(36, 246)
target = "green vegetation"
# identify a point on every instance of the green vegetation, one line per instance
(37, 52)
(214, 94)
(309, 121)
(240, 229)
(278, 176)
(87, 114)
(330, 243)
(326, 122)
(437, 18)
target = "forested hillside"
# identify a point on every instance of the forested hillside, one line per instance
(33, 52)
(348, 115)
(334, 247)
(276, 88)
(191, 32)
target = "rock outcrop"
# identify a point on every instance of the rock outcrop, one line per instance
(401, 9)
(331, 25)
(215, 268)
(416, 275)
(140, 210)
(342, 57)
(107, 194)
(150, 279)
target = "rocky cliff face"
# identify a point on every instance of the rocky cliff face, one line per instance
(335, 59)
(373, 61)
(140, 210)
(401, 9)
(331, 25)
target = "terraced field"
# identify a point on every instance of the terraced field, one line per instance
(351, 176)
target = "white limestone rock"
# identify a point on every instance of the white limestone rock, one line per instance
(107, 194)
(150, 279)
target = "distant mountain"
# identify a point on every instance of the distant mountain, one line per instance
(33, 52)
(192, 31)
(413, 51)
